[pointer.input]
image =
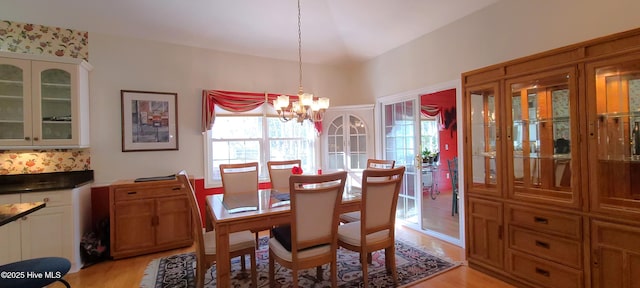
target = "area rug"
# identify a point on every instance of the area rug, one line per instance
(414, 264)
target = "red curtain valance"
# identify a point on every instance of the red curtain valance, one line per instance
(433, 111)
(237, 102)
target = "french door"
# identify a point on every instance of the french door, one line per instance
(400, 134)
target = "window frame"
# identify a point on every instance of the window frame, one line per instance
(264, 142)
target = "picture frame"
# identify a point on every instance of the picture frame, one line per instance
(149, 120)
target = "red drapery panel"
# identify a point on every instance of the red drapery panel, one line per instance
(237, 102)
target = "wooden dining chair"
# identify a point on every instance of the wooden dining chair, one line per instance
(371, 164)
(240, 243)
(279, 172)
(241, 178)
(311, 239)
(376, 228)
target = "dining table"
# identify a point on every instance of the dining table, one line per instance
(253, 211)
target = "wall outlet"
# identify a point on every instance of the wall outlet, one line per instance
(447, 175)
(446, 147)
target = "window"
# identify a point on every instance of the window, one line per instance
(429, 134)
(257, 136)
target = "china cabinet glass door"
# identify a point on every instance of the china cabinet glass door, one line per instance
(15, 101)
(542, 139)
(347, 145)
(614, 135)
(54, 88)
(483, 165)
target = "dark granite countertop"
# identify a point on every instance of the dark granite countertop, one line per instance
(12, 212)
(21, 183)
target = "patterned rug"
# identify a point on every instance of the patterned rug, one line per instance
(414, 265)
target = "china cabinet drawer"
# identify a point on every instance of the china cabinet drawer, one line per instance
(546, 221)
(132, 193)
(552, 248)
(51, 198)
(542, 272)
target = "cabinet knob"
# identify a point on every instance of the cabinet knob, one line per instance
(35, 139)
(27, 138)
(24, 218)
(46, 200)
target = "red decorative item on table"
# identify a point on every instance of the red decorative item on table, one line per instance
(296, 170)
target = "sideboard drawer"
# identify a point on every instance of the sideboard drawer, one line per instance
(133, 193)
(542, 272)
(563, 251)
(546, 221)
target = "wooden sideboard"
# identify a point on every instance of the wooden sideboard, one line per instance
(148, 217)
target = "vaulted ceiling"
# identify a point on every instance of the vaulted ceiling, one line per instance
(332, 30)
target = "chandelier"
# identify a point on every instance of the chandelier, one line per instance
(306, 108)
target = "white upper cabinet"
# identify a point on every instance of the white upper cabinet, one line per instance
(43, 102)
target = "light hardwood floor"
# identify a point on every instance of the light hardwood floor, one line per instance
(126, 273)
(436, 214)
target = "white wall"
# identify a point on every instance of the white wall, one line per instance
(506, 30)
(503, 31)
(132, 64)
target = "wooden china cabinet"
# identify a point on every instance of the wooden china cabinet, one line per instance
(552, 172)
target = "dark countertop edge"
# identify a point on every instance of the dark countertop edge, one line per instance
(19, 215)
(72, 179)
(16, 191)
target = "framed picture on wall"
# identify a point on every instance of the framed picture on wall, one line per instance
(149, 121)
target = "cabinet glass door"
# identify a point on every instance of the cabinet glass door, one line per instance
(482, 168)
(347, 144)
(347, 147)
(55, 104)
(614, 134)
(15, 101)
(542, 139)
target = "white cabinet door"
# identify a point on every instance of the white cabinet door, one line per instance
(55, 112)
(47, 232)
(10, 234)
(348, 140)
(15, 102)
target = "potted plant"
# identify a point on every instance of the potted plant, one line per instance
(428, 155)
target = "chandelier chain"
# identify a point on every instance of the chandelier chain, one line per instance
(299, 49)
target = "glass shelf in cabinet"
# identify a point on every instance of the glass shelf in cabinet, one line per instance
(56, 99)
(488, 154)
(618, 115)
(11, 82)
(56, 122)
(11, 97)
(542, 120)
(520, 155)
(50, 84)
